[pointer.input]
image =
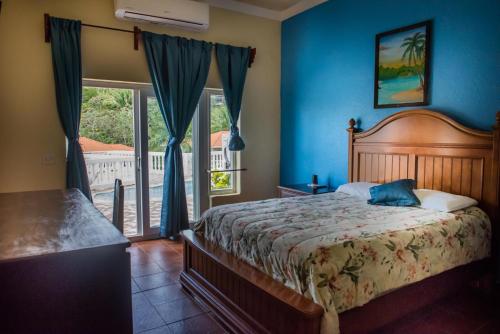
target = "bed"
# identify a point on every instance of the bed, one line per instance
(251, 280)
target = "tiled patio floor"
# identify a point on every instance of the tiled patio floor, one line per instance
(130, 212)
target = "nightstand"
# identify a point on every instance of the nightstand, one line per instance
(301, 190)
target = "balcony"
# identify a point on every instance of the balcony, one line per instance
(103, 167)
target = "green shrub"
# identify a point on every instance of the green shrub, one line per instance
(220, 180)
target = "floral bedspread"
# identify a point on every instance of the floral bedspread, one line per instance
(341, 252)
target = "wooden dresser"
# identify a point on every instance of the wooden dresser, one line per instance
(63, 266)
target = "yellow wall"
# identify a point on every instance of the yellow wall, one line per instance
(29, 125)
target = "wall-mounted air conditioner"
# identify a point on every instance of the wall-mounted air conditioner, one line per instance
(179, 13)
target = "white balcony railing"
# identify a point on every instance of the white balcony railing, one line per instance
(104, 167)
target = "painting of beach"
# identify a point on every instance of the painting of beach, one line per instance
(402, 71)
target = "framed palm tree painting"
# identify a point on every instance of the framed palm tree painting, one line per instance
(402, 58)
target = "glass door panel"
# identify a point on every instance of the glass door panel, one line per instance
(123, 136)
(108, 144)
(220, 156)
(156, 144)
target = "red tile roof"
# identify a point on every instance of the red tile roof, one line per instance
(90, 145)
(216, 138)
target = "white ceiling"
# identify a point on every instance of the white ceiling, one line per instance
(272, 4)
(272, 9)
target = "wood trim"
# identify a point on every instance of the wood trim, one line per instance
(438, 116)
(137, 33)
(46, 25)
(244, 299)
(137, 37)
(251, 60)
(351, 130)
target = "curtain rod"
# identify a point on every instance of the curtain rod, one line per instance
(137, 35)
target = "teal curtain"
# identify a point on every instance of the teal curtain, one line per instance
(179, 70)
(67, 64)
(233, 65)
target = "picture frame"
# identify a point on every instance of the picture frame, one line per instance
(402, 66)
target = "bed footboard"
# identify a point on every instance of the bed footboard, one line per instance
(242, 298)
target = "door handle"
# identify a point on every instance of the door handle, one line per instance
(139, 166)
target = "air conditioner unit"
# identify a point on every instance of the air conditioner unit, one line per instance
(179, 13)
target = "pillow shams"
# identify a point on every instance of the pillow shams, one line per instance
(441, 201)
(357, 189)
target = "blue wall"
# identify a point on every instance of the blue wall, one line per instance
(328, 74)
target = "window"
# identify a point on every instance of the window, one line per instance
(219, 155)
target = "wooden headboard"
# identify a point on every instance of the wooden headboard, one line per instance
(432, 149)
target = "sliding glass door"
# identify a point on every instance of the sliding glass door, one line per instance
(123, 136)
(109, 143)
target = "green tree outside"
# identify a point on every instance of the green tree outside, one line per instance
(108, 116)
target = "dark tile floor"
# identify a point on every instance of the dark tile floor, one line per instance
(161, 306)
(469, 312)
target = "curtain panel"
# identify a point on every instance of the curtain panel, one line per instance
(67, 64)
(232, 62)
(179, 70)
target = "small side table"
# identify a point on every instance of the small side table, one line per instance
(302, 190)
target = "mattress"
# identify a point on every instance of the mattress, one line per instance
(340, 251)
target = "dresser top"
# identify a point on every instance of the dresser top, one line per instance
(41, 223)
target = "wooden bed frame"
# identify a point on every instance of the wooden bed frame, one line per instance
(424, 145)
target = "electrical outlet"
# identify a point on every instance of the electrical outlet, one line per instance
(48, 159)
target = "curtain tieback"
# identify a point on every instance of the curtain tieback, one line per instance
(173, 142)
(235, 142)
(234, 130)
(73, 148)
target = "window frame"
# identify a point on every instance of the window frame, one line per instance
(204, 105)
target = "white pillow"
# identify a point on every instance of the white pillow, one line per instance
(358, 189)
(441, 201)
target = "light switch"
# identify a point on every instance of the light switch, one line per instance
(48, 159)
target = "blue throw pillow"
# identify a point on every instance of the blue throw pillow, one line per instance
(397, 193)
